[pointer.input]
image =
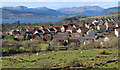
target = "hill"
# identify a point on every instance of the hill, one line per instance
(24, 12)
(86, 19)
(44, 12)
(89, 10)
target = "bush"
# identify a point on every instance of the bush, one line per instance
(21, 49)
(102, 52)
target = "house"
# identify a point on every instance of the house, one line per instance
(101, 27)
(92, 26)
(31, 29)
(86, 39)
(57, 29)
(47, 37)
(28, 35)
(71, 29)
(91, 33)
(37, 37)
(74, 39)
(11, 32)
(51, 31)
(42, 27)
(61, 39)
(95, 22)
(80, 25)
(18, 36)
(82, 30)
(63, 28)
(117, 32)
(87, 25)
(45, 31)
(106, 39)
(77, 35)
(117, 25)
(39, 32)
(110, 27)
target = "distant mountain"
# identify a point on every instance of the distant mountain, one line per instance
(41, 12)
(88, 10)
(81, 10)
(108, 11)
(22, 11)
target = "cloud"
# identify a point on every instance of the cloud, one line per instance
(59, 0)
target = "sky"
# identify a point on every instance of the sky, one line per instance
(58, 5)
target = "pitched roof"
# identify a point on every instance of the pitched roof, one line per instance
(59, 37)
(40, 31)
(88, 37)
(36, 35)
(46, 31)
(51, 29)
(80, 25)
(111, 25)
(101, 25)
(83, 29)
(74, 37)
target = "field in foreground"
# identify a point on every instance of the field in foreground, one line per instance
(90, 58)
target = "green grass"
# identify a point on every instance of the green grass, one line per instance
(43, 46)
(8, 37)
(59, 57)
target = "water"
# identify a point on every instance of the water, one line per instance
(30, 20)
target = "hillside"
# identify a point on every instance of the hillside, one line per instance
(86, 19)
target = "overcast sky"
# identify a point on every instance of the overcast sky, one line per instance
(56, 4)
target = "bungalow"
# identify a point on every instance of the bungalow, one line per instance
(117, 32)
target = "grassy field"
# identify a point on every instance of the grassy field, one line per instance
(47, 59)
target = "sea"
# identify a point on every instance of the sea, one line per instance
(30, 20)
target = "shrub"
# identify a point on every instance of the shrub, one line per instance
(102, 52)
(21, 49)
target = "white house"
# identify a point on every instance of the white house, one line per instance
(106, 39)
(117, 32)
